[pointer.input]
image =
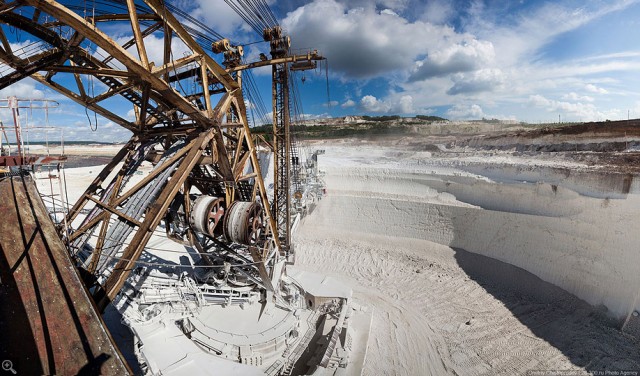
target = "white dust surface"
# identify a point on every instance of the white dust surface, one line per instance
(472, 265)
(477, 266)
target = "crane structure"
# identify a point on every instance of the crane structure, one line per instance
(20, 157)
(204, 187)
(281, 136)
(191, 133)
(199, 139)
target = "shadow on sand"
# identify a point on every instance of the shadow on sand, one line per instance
(121, 333)
(583, 333)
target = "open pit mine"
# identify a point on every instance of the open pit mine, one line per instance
(202, 246)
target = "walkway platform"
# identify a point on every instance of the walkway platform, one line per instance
(48, 322)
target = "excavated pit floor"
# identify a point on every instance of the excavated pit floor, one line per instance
(473, 262)
(476, 265)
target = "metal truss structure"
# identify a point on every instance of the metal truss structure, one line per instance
(190, 123)
(281, 136)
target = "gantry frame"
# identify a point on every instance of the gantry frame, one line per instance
(66, 60)
(195, 138)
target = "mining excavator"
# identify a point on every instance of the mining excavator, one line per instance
(192, 175)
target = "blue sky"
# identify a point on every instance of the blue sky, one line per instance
(523, 60)
(527, 60)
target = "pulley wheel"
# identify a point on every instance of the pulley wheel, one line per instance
(206, 214)
(243, 223)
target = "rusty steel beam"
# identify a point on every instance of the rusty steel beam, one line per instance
(107, 18)
(123, 268)
(92, 71)
(86, 226)
(23, 70)
(173, 65)
(137, 33)
(16, 160)
(5, 43)
(99, 243)
(213, 161)
(48, 322)
(147, 179)
(78, 99)
(7, 7)
(115, 211)
(312, 56)
(220, 74)
(79, 84)
(54, 39)
(95, 184)
(309, 57)
(123, 56)
(110, 93)
(148, 31)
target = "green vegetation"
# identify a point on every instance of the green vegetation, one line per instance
(491, 121)
(335, 131)
(430, 118)
(262, 129)
(381, 118)
(372, 126)
(547, 125)
(347, 130)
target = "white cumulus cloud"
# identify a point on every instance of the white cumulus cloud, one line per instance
(402, 104)
(461, 111)
(348, 103)
(467, 56)
(572, 110)
(372, 104)
(595, 89)
(476, 82)
(573, 96)
(363, 42)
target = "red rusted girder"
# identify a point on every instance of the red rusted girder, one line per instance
(15, 160)
(48, 324)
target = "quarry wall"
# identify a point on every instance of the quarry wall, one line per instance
(580, 234)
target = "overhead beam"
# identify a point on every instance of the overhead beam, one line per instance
(79, 84)
(219, 72)
(5, 43)
(110, 46)
(78, 99)
(107, 72)
(313, 56)
(40, 61)
(173, 65)
(152, 218)
(8, 7)
(148, 31)
(108, 18)
(110, 93)
(135, 26)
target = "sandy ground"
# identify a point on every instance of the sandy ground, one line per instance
(440, 309)
(78, 155)
(429, 241)
(84, 150)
